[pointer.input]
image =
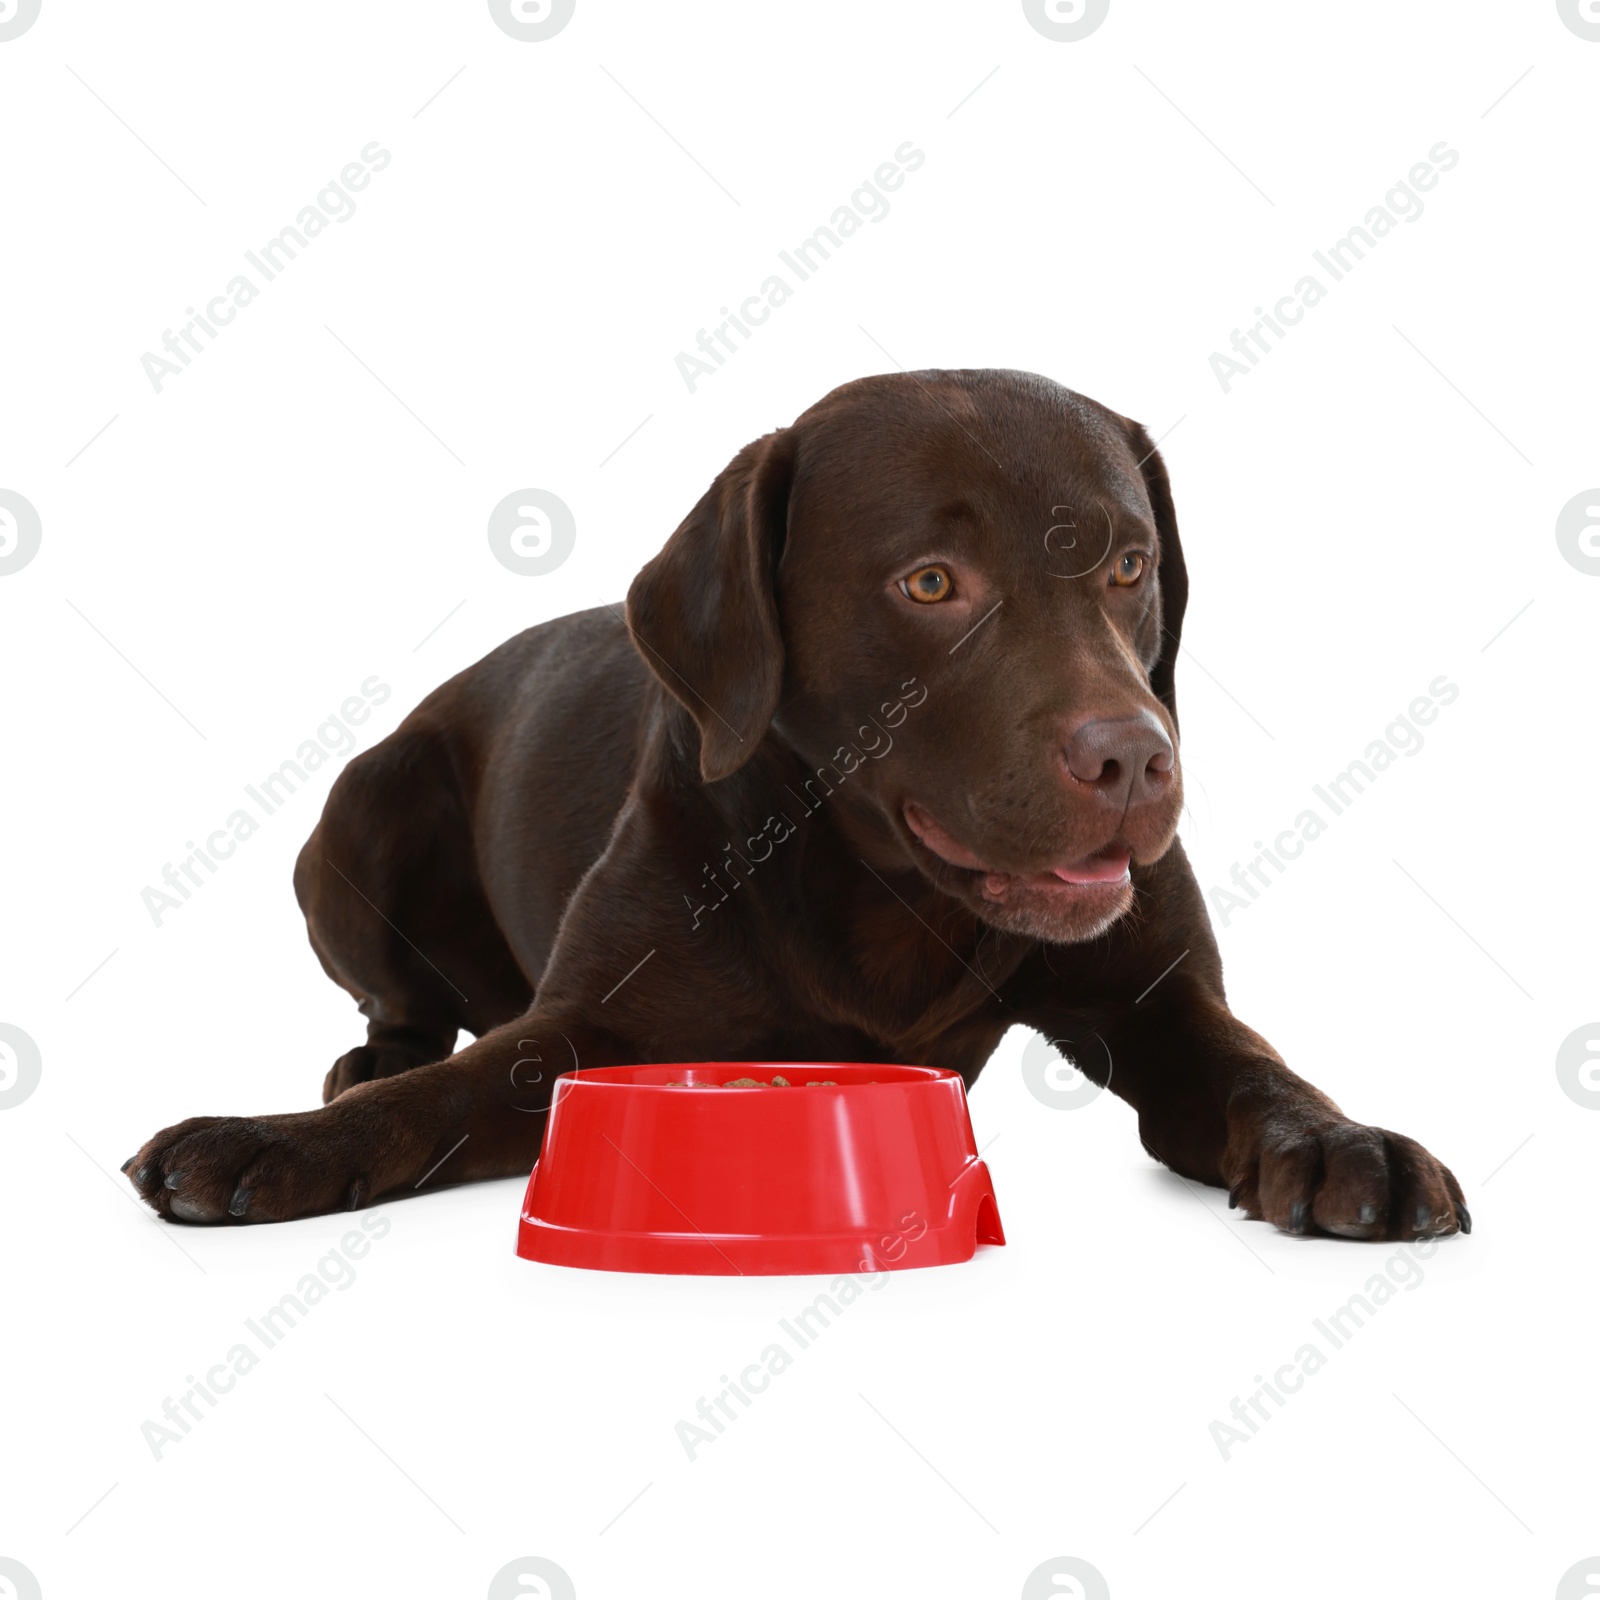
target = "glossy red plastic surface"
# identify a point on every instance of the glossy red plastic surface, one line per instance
(877, 1171)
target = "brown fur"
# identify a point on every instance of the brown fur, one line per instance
(554, 850)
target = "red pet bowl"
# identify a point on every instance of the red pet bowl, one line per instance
(851, 1168)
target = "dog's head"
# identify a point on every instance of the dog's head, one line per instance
(957, 597)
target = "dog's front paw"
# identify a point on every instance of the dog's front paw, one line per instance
(1346, 1179)
(248, 1169)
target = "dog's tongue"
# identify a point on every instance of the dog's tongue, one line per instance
(1104, 866)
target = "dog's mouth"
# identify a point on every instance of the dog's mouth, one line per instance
(1103, 873)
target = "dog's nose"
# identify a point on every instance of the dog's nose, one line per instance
(1124, 760)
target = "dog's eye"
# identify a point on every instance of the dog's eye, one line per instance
(927, 584)
(1128, 570)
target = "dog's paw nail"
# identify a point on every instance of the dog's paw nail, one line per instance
(173, 1179)
(1233, 1196)
(1424, 1219)
(128, 1163)
(240, 1202)
(357, 1196)
(1463, 1217)
(1298, 1213)
(142, 1176)
(1368, 1214)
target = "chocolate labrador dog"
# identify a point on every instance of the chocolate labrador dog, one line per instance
(881, 761)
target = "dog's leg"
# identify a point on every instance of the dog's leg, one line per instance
(1216, 1102)
(391, 1048)
(479, 1114)
(397, 915)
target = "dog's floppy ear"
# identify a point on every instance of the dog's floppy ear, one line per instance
(1174, 576)
(703, 613)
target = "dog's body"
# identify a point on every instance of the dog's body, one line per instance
(882, 761)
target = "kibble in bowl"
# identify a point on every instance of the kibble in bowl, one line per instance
(778, 1082)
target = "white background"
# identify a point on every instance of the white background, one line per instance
(1365, 511)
